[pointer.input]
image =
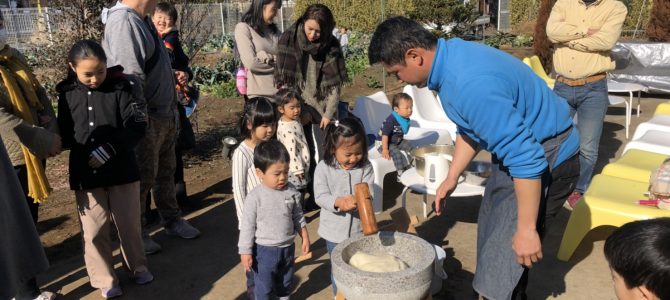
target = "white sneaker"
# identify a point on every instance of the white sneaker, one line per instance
(182, 229)
(112, 292)
(45, 295)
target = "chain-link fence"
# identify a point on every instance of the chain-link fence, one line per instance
(26, 24)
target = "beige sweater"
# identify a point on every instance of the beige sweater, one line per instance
(258, 56)
(15, 132)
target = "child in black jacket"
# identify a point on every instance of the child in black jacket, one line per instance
(101, 121)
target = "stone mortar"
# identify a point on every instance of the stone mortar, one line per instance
(409, 284)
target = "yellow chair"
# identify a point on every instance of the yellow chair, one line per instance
(608, 201)
(536, 65)
(635, 165)
(663, 109)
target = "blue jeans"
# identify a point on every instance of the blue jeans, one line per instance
(330, 246)
(273, 271)
(590, 103)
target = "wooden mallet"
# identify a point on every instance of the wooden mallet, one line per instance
(365, 211)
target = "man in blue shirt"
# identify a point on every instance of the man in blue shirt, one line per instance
(499, 105)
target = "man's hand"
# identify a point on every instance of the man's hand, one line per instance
(345, 203)
(592, 31)
(527, 246)
(443, 191)
(246, 261)
(182, 77)
(56, 146)
(324, 123)
(386, 154)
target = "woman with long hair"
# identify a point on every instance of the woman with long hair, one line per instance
(256, 41)
(310, 61)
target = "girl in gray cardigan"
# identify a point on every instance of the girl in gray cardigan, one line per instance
(345, 164)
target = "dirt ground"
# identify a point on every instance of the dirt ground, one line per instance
(208, 267)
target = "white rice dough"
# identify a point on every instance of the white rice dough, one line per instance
(378, 263)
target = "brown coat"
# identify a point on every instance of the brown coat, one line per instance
(15, 131)
(21, 253)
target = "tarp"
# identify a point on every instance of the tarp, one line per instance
(647, 64)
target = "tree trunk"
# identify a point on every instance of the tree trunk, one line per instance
(541, 44)
(658, 29)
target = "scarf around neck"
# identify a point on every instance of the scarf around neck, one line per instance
(292, 47)
(404, 122)
(22, 87)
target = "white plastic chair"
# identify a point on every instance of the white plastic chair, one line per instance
(657, 122)
(651, 141)
(373, 110)
(427, 110)
(615, 100)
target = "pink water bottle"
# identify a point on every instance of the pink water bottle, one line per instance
(241, 80)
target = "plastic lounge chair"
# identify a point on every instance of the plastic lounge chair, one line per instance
(536, 65)
(663, 109)
(657, 122)
(635, 165)
(615, 100)
(427, 111)
(608, 201)
(373, 110)
(651, 141)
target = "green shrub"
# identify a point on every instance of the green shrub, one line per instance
(223, 89)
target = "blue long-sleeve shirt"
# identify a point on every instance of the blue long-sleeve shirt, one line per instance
(501, 104)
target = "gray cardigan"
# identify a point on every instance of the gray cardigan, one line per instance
(270, 218)
(329, 184)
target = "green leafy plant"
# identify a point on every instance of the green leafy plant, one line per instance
(223, 89)
(501, 38)
(373, 83)
(523, 40)
(449, 17)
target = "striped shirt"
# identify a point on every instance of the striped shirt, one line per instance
(244, 176)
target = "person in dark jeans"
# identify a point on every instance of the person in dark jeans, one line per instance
(501, 106)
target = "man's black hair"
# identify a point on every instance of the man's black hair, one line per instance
(268, 153)
(394, 37)
(640, 253)
(395, 101)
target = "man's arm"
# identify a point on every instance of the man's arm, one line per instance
(127, 47)
(526, 241)
(606, 36)
(465, 151)
(560, 31)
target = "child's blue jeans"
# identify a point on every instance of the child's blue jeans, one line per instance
(330, 246)
(273, 271)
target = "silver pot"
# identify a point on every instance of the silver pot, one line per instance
(419, 154)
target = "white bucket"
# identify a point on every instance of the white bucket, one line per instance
(440, 274)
